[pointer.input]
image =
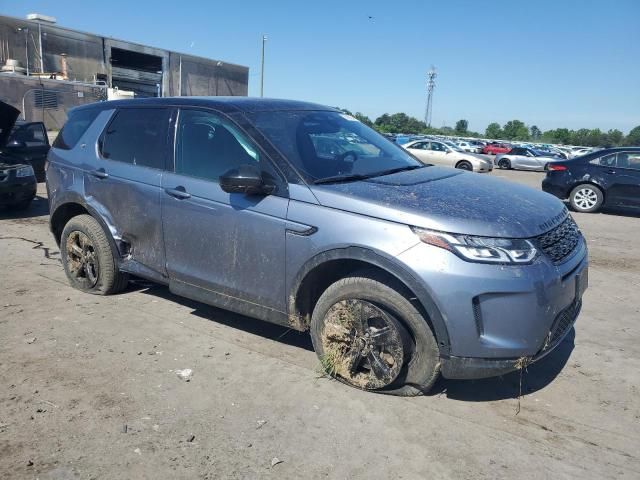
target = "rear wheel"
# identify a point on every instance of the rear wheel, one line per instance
(464, 165)
(586, 198)
(88, 259)
(504, 164)
(370, 336)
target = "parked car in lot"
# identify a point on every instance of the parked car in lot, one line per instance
(606, 178)
(431, 151)
(400, 271)
(25, 142)
(524, 159)
(17, 179)
(469, 147)
(494, 148)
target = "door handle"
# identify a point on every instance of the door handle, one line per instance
(611, 171)
(178, 192)
(99, 173)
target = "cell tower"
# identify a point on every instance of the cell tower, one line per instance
(431, 83)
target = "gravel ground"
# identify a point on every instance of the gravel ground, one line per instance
(88, 386)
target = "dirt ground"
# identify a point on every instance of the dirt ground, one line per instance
(88, 386)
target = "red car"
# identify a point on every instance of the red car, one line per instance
(496, 148)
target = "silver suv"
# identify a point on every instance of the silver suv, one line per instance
(298, 214)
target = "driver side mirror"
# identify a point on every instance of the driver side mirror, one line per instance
(245, 179)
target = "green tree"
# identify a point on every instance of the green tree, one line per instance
(595, 138)
(462, 126)
(363, 118)
(559, 135)
(613, 137)
(493, 130)
(515, 130)
(634, 137)
(534, 132)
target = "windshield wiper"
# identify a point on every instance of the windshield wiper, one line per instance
(395, 170)
(356, 176)
(340, 178)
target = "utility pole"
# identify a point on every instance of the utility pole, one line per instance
(40, 42)
(431, 83)
(264, 40)
(26, 45)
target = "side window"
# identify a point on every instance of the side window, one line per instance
(418, 146)
(606, 161)
(438, 147)
(137, 136)
(629, 160)
(77, 124)
(208, 146)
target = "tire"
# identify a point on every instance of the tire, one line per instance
(98, 274)
(464, 165)
(420, 366)
(586, 198)
(504, 164)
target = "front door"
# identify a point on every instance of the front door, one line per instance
(227, 249)
(438, 153)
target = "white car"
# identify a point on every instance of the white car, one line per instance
(469, 147)
(431, 151)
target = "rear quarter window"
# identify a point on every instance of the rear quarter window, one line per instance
(77, 124)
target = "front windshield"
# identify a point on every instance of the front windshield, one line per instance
(324, 144)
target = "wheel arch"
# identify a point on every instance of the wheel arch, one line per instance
(330, 266)
(72, 206)
(589, 181)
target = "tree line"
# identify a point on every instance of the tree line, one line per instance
(512, 130)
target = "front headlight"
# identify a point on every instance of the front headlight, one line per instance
(24, 172)
(480, 249)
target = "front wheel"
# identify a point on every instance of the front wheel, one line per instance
(370, 336)
(88, 259)
(464, 165)
(586, 198)
(504, 164)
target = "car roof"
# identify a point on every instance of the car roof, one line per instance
(225, 104)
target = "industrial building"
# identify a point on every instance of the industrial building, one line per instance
(46, 69)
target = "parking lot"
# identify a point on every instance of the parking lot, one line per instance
(88, 387)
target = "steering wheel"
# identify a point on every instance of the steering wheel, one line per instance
(349, 156)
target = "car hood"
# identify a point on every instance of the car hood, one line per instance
(448, 200)
(8, 117)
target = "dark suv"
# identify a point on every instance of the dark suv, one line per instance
(399, 270)
(23, 142)
(17, 179)
(606, 178)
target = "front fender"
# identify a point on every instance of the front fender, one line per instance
(388, 264)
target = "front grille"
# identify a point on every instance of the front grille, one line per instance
(558, 243)
(562, 324)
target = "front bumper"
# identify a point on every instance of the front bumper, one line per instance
(16, 192)
(495, 315)
(465, 368)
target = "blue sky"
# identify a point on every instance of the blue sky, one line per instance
(573, 63)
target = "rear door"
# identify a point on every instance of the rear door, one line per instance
(229, 247)
(628, 178)
(125, 180)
